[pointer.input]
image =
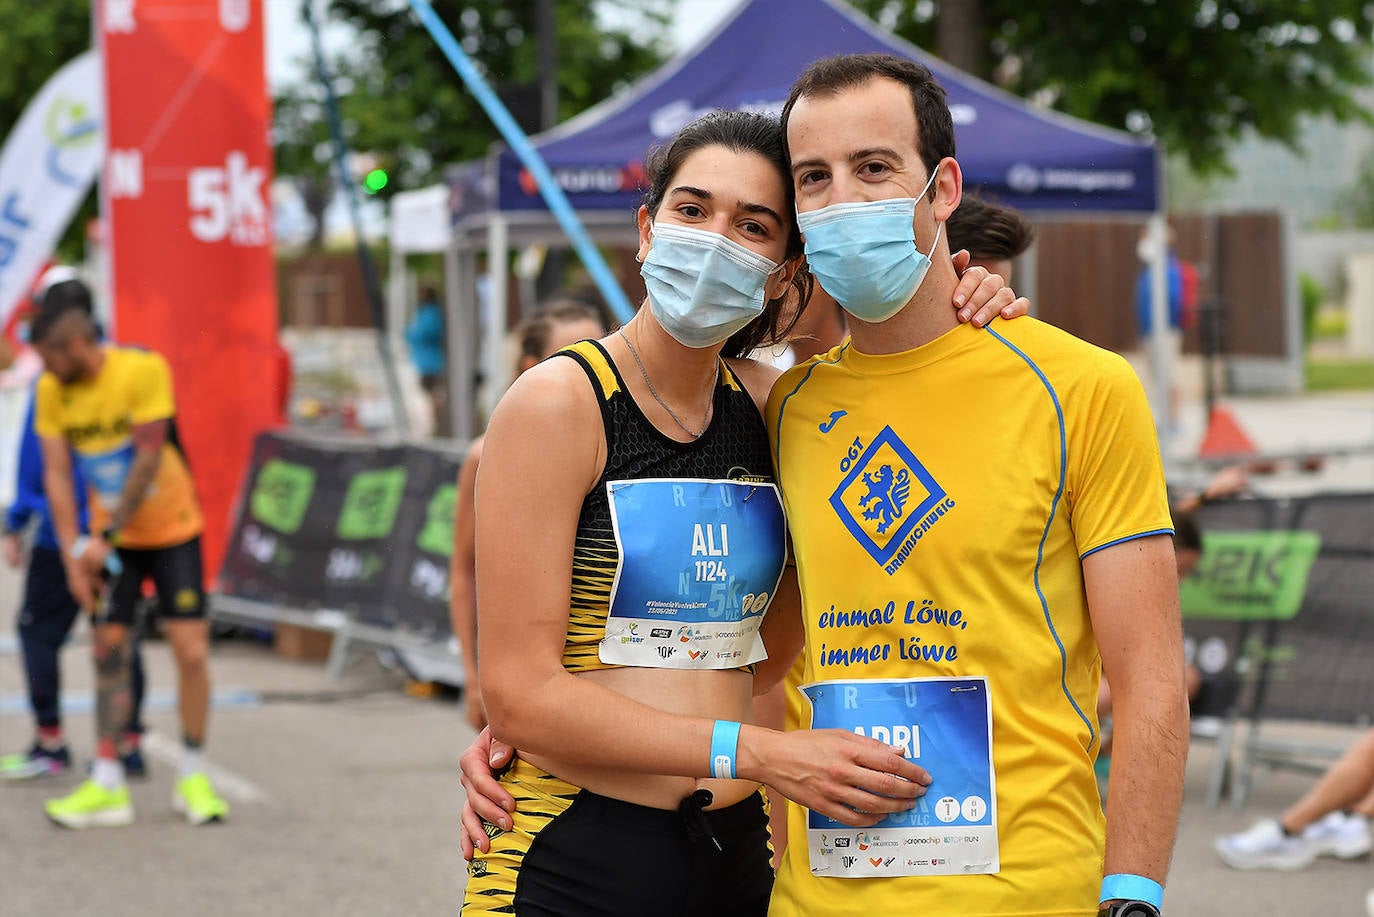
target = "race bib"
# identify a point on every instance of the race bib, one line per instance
(699, 563)
(106, 473)
(945, 725)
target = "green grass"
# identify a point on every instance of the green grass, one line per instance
(1336, 375)
(1331, 325)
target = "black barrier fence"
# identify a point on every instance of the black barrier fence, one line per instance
(1279, 618)
(362, 530)
(1311, 661)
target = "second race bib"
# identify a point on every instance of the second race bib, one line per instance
(945, 725)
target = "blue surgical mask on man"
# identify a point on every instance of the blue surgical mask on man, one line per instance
(864, 254)
(702, 286)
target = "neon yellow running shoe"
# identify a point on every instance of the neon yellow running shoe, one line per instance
(92, 806)
(195, 798)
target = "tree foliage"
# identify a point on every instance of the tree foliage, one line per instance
(1196, 74)
(402, 100)
(36, 40)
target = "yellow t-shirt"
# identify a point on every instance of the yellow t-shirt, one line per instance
(97, 417)
(959, 485)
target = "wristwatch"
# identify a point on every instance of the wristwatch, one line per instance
(1128, 909)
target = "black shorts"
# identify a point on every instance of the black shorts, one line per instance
(177, 576)
(574, 853)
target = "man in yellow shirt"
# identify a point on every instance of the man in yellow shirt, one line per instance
(994, 236)
(110, 409)
(954, 609)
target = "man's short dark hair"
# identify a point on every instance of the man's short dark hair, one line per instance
(71, 294)
(934, 125)
(70, 318)
(989, 231)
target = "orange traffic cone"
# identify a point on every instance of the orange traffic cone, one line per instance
(1224, 436)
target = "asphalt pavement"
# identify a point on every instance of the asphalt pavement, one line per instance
(344, 797)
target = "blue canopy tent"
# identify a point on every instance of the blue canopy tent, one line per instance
(1039, 161)
(1026, 157)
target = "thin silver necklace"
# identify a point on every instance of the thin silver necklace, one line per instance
(706, 418)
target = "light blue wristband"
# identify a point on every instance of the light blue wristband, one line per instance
(724, 745)
(1128, 887)
(79, 547)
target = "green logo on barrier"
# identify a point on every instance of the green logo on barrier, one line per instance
(1250, 576)
(370, 506)
(281, 494)
(437, 535)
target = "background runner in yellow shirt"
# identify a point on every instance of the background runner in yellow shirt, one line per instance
(110, 409)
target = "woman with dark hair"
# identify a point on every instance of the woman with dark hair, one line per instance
(630, 539)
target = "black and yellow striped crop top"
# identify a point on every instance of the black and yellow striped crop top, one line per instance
(679, 545)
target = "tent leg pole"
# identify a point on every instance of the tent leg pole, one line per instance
(1159, 328)
(458, 302)
(396, 303)
(494, 343)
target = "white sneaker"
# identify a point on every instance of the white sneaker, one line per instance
(1369, 902)
(1339, 835)
(1265, 846)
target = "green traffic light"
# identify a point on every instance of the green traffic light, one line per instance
(376, 180)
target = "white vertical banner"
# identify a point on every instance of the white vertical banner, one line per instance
(49, 160)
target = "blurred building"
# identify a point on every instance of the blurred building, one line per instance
(1309, 185)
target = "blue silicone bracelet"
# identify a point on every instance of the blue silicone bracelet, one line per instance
(1127, 887)
(724, 744)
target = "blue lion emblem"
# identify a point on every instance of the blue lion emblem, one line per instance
(888, 493)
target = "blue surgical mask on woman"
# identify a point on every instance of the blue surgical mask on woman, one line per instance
(864, 254)
(702, 286)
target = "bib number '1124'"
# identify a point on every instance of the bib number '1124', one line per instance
(699, 562)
